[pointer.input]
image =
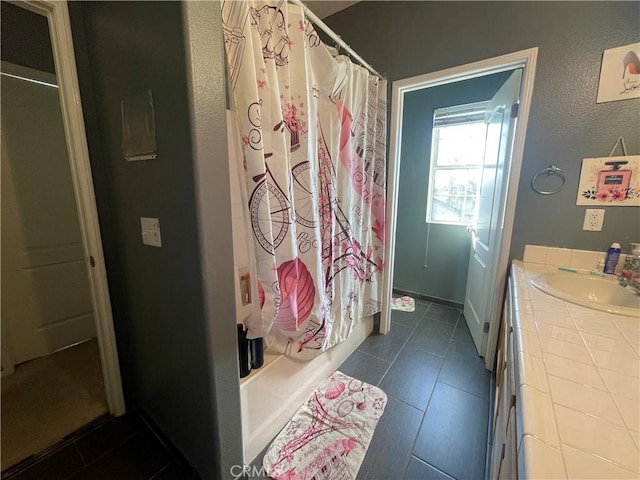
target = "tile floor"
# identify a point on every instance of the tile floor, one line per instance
(435, 422)
(121, 448)
(434, 425)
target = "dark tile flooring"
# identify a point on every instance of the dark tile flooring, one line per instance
(435, 423)
(110, 448)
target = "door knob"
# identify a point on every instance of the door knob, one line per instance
(92, 261)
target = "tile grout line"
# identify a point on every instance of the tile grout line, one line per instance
(426, 408)
(403, 345)
(432, 466)
(157, 474)
(84, 462)
(403, 348)
(108, 451)
(429, 403)
(369, 354)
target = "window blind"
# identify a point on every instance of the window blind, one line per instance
(459, 114)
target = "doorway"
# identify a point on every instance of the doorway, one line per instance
(59, 363)
(448, 245)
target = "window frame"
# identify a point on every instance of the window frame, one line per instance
(433, 167)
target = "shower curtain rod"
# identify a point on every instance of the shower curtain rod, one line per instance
(334, 36)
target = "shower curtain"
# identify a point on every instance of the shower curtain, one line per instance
(313, 130)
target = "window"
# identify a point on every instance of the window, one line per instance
(457, 149)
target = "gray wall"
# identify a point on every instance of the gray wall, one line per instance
(441, 272)
(160, 315)
(207, 99)
(403, 39)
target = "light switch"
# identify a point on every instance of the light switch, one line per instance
(151, 231)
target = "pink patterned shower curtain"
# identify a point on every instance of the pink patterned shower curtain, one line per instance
(313, 129)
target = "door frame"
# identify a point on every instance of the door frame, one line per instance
(527, 60)
(57, 14)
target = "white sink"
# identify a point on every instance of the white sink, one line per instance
(590, 291)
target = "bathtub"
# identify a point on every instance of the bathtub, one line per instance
(271, 395)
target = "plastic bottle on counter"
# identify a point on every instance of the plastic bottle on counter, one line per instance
(631, 267)
(611, 261)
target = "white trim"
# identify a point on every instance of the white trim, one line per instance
(393, 179)
(527, 60)
(61, 43)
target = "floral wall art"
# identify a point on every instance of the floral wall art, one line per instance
(610, 181)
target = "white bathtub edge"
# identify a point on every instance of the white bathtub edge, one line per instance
(271, 398)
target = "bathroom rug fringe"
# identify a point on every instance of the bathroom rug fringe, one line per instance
(329, 435)
(406, 304)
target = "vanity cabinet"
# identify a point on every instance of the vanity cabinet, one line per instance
(504, 446)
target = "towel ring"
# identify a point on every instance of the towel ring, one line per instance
(552, 170)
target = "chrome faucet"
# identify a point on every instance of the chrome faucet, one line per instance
(628, 282)
(631, 276)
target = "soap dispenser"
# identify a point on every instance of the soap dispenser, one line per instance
(631, 267)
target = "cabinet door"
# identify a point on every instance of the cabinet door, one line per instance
(497, 454)
(503, 453)
(510, 380)
(508, 468)
(501, 361)
(500, 427)
(498, 403)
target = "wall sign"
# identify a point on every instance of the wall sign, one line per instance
(620, 74)
(139, 128)
(610, 181)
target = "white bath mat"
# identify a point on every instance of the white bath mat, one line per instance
(406, 304)
(329, 435)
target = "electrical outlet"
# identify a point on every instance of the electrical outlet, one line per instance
(593, 220)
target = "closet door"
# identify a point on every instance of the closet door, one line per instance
(46, 299)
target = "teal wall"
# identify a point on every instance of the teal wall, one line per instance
(442, 270)
(404, 39)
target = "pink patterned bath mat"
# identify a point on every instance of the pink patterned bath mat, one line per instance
(406, 304)
(328, 436)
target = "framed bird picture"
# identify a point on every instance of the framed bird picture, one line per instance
(620, 74)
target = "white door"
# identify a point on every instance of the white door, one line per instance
(46, 299)
(487, 233)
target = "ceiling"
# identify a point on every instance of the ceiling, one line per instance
(324, 8)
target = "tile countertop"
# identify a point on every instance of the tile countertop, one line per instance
(578, 380)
